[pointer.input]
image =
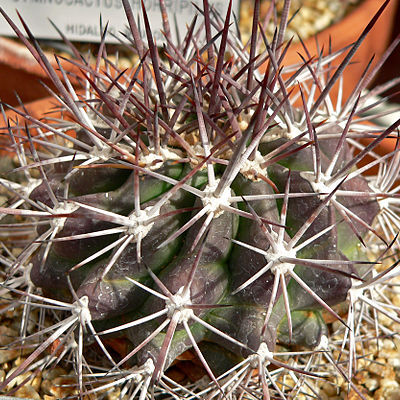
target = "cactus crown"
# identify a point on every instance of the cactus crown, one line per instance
(208, 200)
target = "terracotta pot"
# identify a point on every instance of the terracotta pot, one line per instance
(388, 145)
(347, 31)
(20, 72)
(37, 109)
(46, 107)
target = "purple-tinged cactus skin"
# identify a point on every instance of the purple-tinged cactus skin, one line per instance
(197, 207)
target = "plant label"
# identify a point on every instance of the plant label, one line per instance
(84, 20)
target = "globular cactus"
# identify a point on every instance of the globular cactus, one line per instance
(198, 204)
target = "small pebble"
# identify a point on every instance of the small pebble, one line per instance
(54, 373)
(28, 392)
(63, 386)
(389, 390)
(371, 384)
(7, 335)
(8, 355)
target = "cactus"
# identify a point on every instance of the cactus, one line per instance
(199, 205)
